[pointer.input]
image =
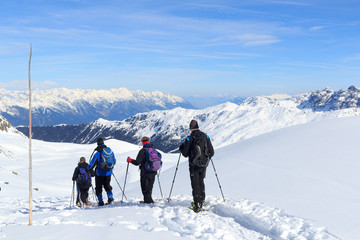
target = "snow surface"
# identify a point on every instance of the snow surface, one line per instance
(295, 183)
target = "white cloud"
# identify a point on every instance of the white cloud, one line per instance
(250, 39)
(316, 28)
(297, 3)
(24, 84)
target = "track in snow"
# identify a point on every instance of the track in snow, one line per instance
(234, 219)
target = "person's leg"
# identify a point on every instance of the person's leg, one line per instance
(108, 189)
(98, 189)
(147, 186)
(84, 195)
(202, 175)
(195, 184)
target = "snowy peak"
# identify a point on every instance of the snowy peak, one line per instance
(327, 99)
(5, 126)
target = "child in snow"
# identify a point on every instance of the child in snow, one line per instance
(83, 182)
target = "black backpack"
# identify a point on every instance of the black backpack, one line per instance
(201, 156)
(84, 178)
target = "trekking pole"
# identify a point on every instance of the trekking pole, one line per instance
(217, 179)
(127, 169)
(119, 186)
(92, 155)
(158, 177)
(72, 193)
(94, 194)
(172, 185)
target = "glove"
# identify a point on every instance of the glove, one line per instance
(129, 159)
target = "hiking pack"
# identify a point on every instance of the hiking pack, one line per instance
(107, 159)
(84, 178)
(200, 151)
(153, 160)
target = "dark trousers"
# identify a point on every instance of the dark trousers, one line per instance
(101, 182)
(147, 183)
(82, 194)
(197, 175)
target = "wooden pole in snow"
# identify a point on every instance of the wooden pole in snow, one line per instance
(30, 135)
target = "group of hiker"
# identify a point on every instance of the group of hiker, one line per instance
(197, 147)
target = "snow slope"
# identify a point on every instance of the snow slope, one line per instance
(287, 184)
(309, 170)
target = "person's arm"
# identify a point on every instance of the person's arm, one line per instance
(210, 146)
(93, 162)
(185, 147)
(75, 174)
(139, 158)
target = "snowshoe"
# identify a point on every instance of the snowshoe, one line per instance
(196, 207)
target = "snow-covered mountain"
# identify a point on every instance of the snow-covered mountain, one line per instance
(76, 106)
(328, 99)
(225, 123)
(5, 126)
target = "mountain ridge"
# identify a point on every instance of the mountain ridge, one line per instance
(76, 106)
(225, 123)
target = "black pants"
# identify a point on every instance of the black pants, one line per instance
(147, 183)
(197, 175)
(101, 182)
(82, 194)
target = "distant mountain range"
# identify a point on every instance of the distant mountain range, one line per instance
(76, 106)
(327, 99)
(225, 123)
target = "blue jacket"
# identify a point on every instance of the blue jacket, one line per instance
(95, 163)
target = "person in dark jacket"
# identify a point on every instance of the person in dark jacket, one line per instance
(102, 177)
(147, 178)
(197, 174)
(82, 187)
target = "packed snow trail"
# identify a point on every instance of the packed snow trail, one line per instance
(240, 219)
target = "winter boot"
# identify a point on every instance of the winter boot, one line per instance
(101, 203)
(196, 207)
(110, 200)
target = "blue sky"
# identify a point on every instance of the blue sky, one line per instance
(205, 48)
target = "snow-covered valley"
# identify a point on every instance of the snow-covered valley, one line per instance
(298, 182)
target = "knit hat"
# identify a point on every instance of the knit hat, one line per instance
(82, 159)
(145, 140)
(194, 125)
(100, 141)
